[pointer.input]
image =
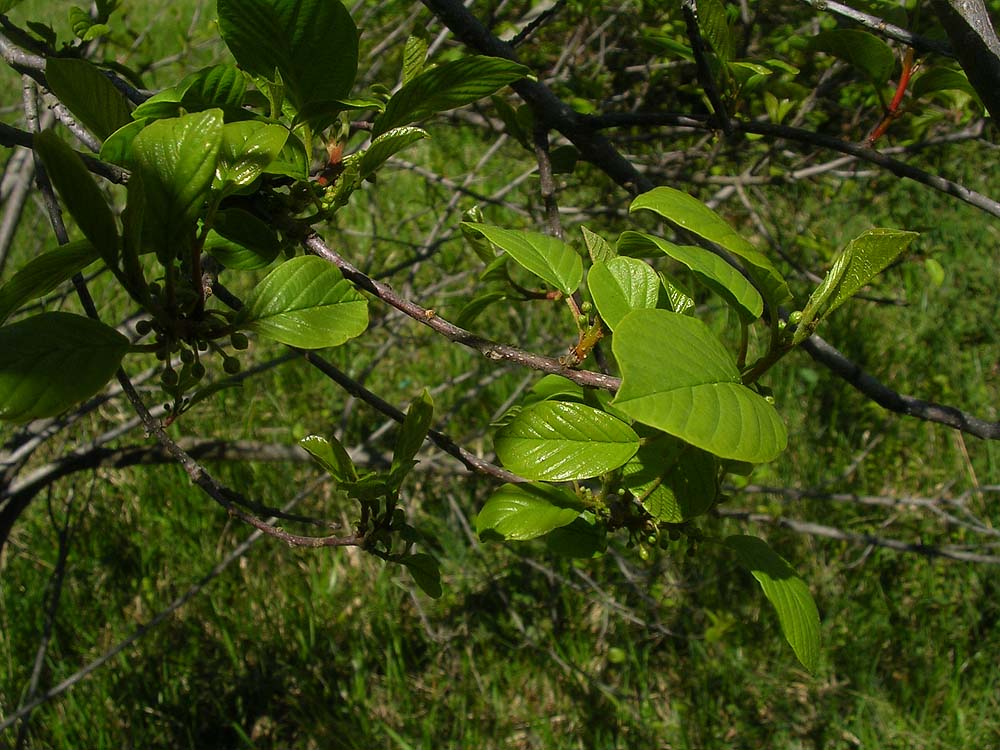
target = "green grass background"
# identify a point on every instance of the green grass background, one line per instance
(329, 648)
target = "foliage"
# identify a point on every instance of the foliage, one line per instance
(222, 181)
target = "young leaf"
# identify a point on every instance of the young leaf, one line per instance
(44, 273)
(547, 257)
(942, 79)
(599, 249)
(53, 360)
(312, 43)
(306, 302)
(88, 94)
(447, 86)
(117, 147)
(220, 86)
(673, 481)
(620, 286)
(788, 593)
(79, 191)
(413, 432)
(678, 378)
(425, 571)
(332, 456)
(557, 440)
(248, 148)
(715, 28)
(84, 27)
(414, 57)
(864, 51)
(691, 215)
(865, 257)
(386, 145)
(176, 159)
(708, 268)
(526, 511)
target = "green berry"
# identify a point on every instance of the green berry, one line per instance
(239, 341)
(231, 365)
(143, 327)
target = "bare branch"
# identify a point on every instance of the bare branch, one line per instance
(976, 46)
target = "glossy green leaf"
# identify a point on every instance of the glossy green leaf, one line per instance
(220, 86)
(691, 215)
(88, 94)
(859, 48)
(332, 456)
(292, 160)
(176, 160)
(672, 481)
(677, 298)
(306, 302)
(622, 285)
(412, 432)
(789, 594)
(476, 306)
(251, 242)
(677, 377)
(80, 193)
(447, 86)
(708, 268)
(549, 258)
(864, 258)
(117, 147)
(312, 43)
(558, 440)
(163, 104)
(53, 360)
(43, 273)
(386, 145)
(526, 511)
(248, 148)
(425, 571)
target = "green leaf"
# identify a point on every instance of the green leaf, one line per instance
(864, 51)
(386, 145)
(475, 307)
(88, 94)
(942, 79)
(691, 215)
(312, 43)
(306, 302)
(248, 148)
(864, 258)
(620, 286)
(84, 26)
(787, 592)
(673, 481)
(243, 241)
(425, 571)
(678, 378)
(80, 193)
(414, 57)
(715, 28)
(935, 271)
(547, 257)
(677, 299)
(176, 160)
(292, 160)
(557, 440)
(526, 511)
(332, 456)
(220, 86)
(708, 268)
(599, 249)
(163, 104)
(447, 86)
(117, 147)
(42, 274)
(51, 361)
(412, 433)
(585, 538)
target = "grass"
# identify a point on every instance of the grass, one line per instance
(315, 649)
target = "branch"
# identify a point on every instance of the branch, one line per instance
(970, 30)
(886, 29)
(548, 108)
(928, 411)
(830, 532)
